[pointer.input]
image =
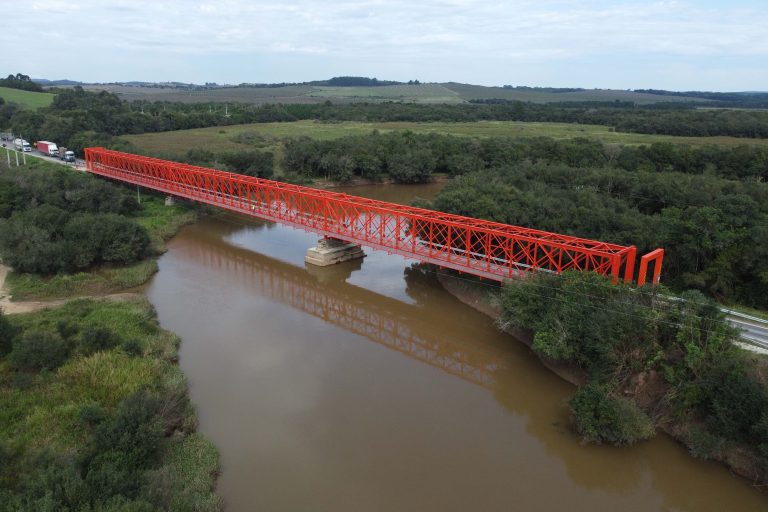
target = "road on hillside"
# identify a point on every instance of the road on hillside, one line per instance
(34, 153)
(753, 331)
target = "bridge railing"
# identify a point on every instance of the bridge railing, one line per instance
(487, 249)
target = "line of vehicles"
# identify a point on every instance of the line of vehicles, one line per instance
(45, 147)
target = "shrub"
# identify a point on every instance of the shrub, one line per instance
(132, 347)
(734, 402)
(38, 350)
(702, 444)
(601, 418)
(95, 339)
(66, 328)
(55, 484)
(111, 473)
(92, 414)
(7, 333)
(135, 431)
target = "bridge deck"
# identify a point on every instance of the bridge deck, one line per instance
(482, 248)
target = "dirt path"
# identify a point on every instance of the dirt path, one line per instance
(13, 308)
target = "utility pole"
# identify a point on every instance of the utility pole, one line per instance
(8, 154)
(23, 154)
(138, 194)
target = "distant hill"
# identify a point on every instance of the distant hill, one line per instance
(349, 89)
(53, 83)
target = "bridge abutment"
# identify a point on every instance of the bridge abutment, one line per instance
(330, 251)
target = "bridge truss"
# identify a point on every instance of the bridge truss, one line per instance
(487, 249)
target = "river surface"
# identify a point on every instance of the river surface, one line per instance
(367, 387)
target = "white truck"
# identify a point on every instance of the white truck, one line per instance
(66, 155)
(22, 145)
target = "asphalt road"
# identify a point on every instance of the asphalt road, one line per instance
(34, 153)
(754, 332)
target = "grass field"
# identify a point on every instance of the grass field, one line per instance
(479, 92)
(26, 99)
(421, 93)
(269, 134)
(256, 95)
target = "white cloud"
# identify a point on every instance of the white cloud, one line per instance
(408, 32)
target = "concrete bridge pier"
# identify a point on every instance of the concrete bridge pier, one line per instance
(330, 251)
(170, 201)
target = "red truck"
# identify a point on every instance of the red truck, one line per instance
(47, 148)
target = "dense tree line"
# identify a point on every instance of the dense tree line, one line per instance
(646, 360)
(259, 164)
(722, 99)
(52, 221)
(410, 157)
(79, 118)
(713, 229)
(21, 82)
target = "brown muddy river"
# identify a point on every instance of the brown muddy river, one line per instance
(367, 387)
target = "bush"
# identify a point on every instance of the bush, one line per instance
(734, 402)
(7, 333)
(38, 350)
(92, 414)
(94, 339)
(132, 347)
(601, 418)
(55, 485)
(136, 431)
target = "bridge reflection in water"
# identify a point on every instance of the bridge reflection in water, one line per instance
(383, 320)
(285, 405)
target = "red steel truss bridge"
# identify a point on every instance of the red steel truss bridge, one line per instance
(486, 249)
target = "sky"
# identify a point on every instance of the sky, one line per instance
(678, 45)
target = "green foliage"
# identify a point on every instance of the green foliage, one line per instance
(733, 402)
(21, 82)
(103, 431)
(251, 163)
(601, 418)
(94, 339)
(7, 332)
(132, 347)
(61, 221)
(713, 229)
(92, 414)
(46, 239)
(581, 318)
(36, 350)
(616, 333)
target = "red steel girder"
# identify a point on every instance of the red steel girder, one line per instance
(487, 249)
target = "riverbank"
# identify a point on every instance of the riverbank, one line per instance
(94, 409)
(161, 222)
(95, 413)
(645, 387)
